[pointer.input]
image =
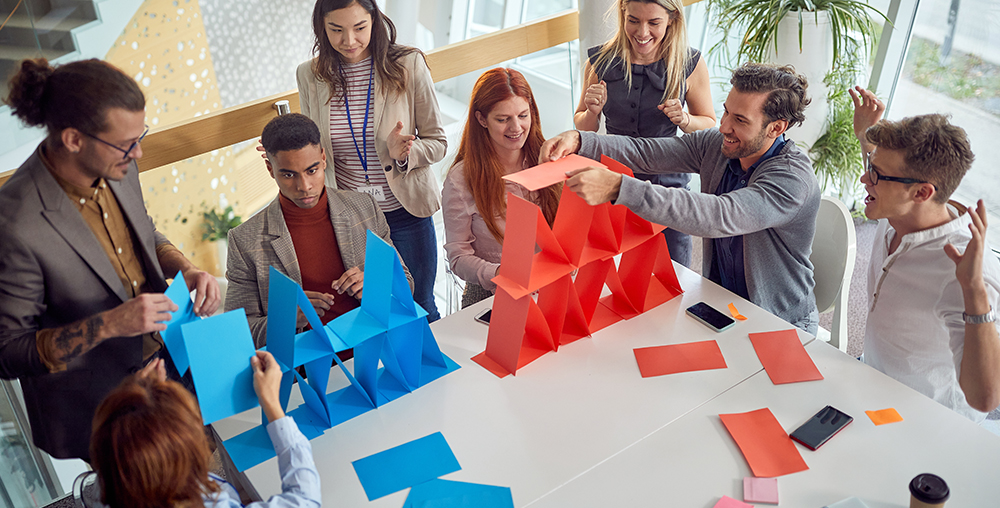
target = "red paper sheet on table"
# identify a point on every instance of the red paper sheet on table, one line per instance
(765, 445)
(662, 360)
(784, 358)
(552, 172)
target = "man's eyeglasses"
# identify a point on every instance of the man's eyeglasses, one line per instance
(120, 149)
(875, 176)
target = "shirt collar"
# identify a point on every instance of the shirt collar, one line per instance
(960, 220)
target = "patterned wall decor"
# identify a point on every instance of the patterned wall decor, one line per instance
(166, 49)
(257, 44)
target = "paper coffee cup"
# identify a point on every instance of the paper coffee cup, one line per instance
(928, 491)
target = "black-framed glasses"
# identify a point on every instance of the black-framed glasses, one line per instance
(120, 149)
(875, 176)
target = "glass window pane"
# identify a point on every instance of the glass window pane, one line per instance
(953, 67)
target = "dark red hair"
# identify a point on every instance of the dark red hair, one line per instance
(483, 170)
(149, 447)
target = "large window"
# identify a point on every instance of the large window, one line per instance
(950, 64)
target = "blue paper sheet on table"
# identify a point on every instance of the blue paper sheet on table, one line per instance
(389, 328)
(406, 465)
(440, 493)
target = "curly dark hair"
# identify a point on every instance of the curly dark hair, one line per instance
(289, 132)
(785, 89)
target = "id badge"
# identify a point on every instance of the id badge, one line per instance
(374, 191)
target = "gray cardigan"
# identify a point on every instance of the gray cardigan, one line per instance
(775, 212)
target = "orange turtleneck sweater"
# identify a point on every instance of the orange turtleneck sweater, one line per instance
(317, 251)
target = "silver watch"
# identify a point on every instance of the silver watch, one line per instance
(979, 319)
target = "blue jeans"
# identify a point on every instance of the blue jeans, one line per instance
(416, 242)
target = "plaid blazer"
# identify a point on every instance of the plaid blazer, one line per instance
(264, 241)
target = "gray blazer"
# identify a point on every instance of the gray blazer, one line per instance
(54, 272)
(264, 241)
(775, 213)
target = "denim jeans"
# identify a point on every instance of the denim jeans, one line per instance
(416, 242)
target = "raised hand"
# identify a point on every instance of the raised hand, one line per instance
(868, 110)
(399, 144)
(675, 112)
(596, 97)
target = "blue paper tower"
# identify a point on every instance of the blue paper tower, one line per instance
(388, 327)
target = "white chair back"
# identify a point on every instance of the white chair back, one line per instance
(834, 252)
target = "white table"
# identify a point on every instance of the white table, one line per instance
(571, 415)
(694, 461)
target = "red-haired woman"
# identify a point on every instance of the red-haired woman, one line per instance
(502, 136)
(149, 446)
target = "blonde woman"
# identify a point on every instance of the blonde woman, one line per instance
(641, 80)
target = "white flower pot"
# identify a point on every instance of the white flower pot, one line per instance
(222, 251)
(813, 61)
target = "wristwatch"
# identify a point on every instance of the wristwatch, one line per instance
(979, 319)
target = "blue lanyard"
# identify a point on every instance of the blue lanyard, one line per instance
(364, 132)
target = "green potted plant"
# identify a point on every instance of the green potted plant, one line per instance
(761, 22)
(215, 228)
(816, 36)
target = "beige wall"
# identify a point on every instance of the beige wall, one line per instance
(164, 47)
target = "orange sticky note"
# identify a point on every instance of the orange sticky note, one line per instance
(884, 416)
(662, 360)
(765, 445)
(552, 172)
(736, 314)
(784, 358)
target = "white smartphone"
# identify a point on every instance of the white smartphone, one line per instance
(710, 317)
(484, 316)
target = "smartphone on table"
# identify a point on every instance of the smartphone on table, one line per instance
(710, 317)
(484, 316)
(821, 427)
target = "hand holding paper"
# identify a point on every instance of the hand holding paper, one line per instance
(595, 185)
(549, 173)
(267, 384)
(560, 146)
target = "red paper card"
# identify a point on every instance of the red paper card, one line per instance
(550, 173)
(784, 358)
(765, 445)
(662, 360)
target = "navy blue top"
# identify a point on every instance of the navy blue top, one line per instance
(727, 270)
(632, 112)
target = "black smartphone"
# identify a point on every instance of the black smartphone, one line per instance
(821, 427)
(710, 317)
(484, 316)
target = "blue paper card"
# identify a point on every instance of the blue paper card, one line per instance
(172, 338)
(220, 348)
(406, 465)
(440, 493)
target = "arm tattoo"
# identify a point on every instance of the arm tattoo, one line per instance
(78, 338)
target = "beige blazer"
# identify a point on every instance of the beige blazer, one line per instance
(415, 186)
(264, 241)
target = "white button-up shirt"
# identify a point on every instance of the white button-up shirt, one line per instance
(915, 332)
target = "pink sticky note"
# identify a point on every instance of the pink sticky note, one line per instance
(549, 173)
(728, 502)
(760, 490)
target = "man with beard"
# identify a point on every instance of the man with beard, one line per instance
(759, 196)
